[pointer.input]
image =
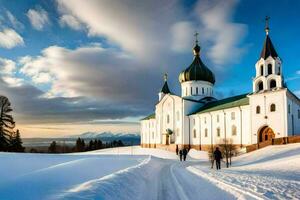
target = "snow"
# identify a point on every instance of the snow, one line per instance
(137, 173)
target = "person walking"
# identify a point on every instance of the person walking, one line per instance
(218, 157)
(184, 152)
(180, 154)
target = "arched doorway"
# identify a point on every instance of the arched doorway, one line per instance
(265, 134)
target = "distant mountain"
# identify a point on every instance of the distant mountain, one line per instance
(127, 138)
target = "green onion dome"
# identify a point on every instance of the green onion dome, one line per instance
(197, 71)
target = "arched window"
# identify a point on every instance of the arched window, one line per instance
(261, 70)
(260, 86)
(233, 130)
(272, 84)
(168, 119)
(270, 70)
(194, 133)
(196, 90)
(205, 132)
(202, 90)
(218, 132)
(191, 91)
(257, 109)
(233, 116)
(273, 107)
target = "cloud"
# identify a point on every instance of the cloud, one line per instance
(9, 38)
(217, 28)
(182, 33)
(71, 21)
(14, 21)
(141, 29)
(38, 18)
(7, 71)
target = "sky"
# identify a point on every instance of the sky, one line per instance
(72, 66)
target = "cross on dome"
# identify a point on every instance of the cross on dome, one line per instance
(267, 29)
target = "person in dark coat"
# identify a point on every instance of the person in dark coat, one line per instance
(177, 150)
(180, 154)
(184, 152)
(218, 157)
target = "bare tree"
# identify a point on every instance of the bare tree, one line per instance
(7, 123)
(228, 150)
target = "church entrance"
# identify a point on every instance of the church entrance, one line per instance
(266, 134)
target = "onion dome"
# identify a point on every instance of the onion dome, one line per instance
(197, 71)
(165, 89)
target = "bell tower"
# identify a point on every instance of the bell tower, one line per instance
(268, 67)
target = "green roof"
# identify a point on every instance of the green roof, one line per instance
(152, 116)
(230, 102)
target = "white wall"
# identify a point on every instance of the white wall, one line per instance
(275, 120)
(205, 89)
(293, 117)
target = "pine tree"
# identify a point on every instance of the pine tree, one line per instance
(7, 123)
(53, 147)
(16, 142)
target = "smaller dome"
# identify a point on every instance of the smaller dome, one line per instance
(197, 71)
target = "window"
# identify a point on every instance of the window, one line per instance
(205, 132)
(196, 90)
(273, 108)
(233, 116)
(260, 86)
(261, 70)
(257, 109)
(204, 120)
(168, 119)
(278, 71)
(206, 90)
(194, 122)
(272, 84)
(191, 91)
(218, 132)
(218, 118)
(177, 132)
(195, 133)
(202, 90)
(289, 108)
(233, 130)
(270, 70)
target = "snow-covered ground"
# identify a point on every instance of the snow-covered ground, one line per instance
(137, 173)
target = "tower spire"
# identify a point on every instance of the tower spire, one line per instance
(267, 29)
(196, 49)
(165, 77)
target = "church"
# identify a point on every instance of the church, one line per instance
(196, 119)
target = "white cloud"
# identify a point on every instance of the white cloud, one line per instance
(14, 21)
(182, 33)
(215, 17)
(142, 29)
(9, 38)
(42, 78)
(38, 18)
(7, 71)
(71, 21)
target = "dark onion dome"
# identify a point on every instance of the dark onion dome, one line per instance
(268, 49)
(165, 89)
(197, 71)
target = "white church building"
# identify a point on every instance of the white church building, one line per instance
(196, 119)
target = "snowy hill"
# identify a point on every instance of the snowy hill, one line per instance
(136, 173)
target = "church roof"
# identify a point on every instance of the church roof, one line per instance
(152, 116)
(230, 102)
(197, 71)
(165, 89)
(268, 49)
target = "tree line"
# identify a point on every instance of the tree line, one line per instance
(82, 146)
(10, 140)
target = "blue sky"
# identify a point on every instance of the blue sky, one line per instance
(71, 66)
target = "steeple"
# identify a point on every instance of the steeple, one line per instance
(268, 48)
(165, 88)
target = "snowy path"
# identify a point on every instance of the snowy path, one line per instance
(133, 173)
